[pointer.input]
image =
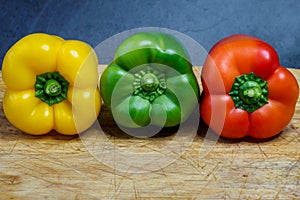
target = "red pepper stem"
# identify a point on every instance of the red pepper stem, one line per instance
(51, 88)
(249, 92)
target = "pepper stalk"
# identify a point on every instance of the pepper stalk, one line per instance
(249, 92)
(51, 87)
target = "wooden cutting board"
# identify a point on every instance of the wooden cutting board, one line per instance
(71, 167)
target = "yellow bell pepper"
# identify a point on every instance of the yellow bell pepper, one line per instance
(51, 84)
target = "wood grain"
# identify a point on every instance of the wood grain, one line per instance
(63, 167)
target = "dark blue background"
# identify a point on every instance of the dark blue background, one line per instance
(275, 21)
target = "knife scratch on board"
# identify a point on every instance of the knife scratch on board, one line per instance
(14, 146)
(136, 192)
(262, 151)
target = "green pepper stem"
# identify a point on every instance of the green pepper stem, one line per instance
(249, 92)
(51, 88)
(149, 83)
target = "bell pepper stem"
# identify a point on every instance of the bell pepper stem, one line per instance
(51, 88)
(249, 92)
(149, 83)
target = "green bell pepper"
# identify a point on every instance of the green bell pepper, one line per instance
(150, 82)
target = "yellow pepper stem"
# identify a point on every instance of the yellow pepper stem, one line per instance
(51, 87)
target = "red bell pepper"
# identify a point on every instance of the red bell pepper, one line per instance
(246, 92)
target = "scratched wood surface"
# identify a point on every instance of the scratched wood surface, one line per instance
(72, 167)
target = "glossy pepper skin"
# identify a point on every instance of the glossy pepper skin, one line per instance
(246, 92)
(51, 84)
(150, 82)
